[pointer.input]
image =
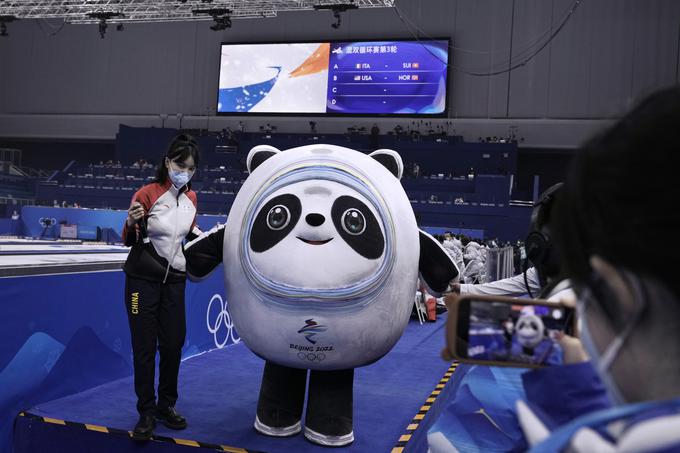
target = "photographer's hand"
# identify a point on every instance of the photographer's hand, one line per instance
(446, 354)
(572, 348)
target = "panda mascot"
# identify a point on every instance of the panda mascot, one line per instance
(530, 332)
(534, 341)
(321, 257)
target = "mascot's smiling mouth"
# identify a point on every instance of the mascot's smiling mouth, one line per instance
(325, 241)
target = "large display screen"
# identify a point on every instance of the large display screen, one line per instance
(340, 77)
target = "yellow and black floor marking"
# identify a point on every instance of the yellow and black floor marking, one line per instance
(417, 420)
(121, 432)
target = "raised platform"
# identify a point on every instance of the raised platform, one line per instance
(65, 327)
(396, 400)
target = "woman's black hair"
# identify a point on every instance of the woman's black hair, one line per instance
(181, 147)
(622, 193)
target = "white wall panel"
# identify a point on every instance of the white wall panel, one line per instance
(609, 54)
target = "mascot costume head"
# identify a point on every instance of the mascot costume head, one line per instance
(321, 252)
(321, 256)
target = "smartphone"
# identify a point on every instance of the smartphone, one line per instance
(506, 331)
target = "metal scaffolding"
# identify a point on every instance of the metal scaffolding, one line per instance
(86, 11)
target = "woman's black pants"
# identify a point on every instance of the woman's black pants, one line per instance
(157, 322)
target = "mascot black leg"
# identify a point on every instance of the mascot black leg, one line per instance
(282, 398)
(329, 408)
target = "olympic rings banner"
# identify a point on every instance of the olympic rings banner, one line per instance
(63, 334)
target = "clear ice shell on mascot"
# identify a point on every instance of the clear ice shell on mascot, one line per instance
(321, 256)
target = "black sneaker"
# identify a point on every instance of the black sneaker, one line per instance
(170, 418)
(330, 431)
(144, 427)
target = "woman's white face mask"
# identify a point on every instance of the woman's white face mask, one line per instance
(178, 176)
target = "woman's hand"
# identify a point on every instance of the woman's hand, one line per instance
(449, 300)
(135, 213)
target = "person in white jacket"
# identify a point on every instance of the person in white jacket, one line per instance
(543, 278)
(454, 248)
(512, 286)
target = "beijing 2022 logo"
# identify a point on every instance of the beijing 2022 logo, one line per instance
(220, 321)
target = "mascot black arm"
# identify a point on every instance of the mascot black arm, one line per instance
(436, 267)
(204, 253)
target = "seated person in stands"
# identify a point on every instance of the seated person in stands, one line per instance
(454, 249)
(474, 256)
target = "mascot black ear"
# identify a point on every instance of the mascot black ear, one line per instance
(259, 154)
(391, 160)
(436, 267)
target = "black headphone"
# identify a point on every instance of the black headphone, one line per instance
(538, 244)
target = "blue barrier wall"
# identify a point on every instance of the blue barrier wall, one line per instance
(471, 233)
(508, 223)
(9, 227)
(503, 222)
(63, 334)
(103, 218)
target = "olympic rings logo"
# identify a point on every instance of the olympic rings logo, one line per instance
(312, 357)
(223, 319)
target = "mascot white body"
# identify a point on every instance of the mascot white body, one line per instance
(330, 286)
(321, 256)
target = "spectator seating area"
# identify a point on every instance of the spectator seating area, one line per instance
(16, 188)
(450, 183)
(479, 190)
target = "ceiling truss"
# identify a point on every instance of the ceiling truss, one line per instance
(80, 11)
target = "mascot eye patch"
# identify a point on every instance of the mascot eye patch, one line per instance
(275, 221)
(358, 227)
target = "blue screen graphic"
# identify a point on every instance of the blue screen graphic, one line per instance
(360, 77)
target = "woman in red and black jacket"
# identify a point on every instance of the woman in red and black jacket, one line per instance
(161, 216)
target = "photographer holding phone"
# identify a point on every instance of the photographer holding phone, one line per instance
(627, 397)
(628, 292)
(162, 214)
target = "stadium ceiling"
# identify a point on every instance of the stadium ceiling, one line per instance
(89, 11)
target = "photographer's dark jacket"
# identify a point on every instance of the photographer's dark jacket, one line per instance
(170, 217)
